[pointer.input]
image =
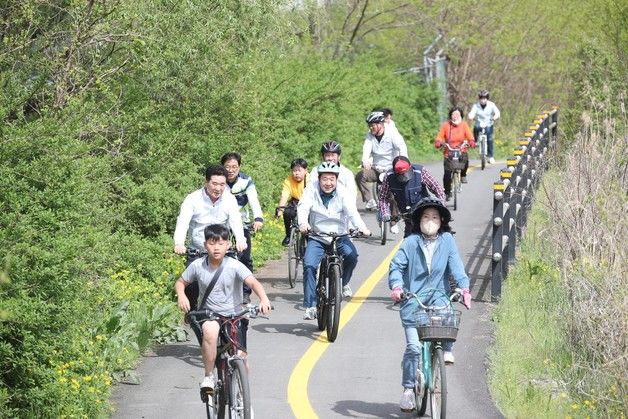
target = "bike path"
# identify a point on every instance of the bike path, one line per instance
(359, 374)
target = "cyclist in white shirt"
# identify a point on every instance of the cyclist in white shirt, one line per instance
(211, 204)
(326, 207)
(330, 152)
(484, 112)
(380, 147)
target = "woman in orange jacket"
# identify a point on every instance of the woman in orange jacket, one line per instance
(454, 132)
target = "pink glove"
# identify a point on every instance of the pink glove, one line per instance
(438, 144)
(466, 298)
(472, 144)
(396, 294)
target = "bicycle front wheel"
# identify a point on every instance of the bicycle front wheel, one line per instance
(438, 388)
(455, 188)
(321, 298)
(239, 392)
(334, 301)
(382, 227)
(293, 259)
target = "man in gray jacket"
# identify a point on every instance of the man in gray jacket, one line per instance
(327, 208)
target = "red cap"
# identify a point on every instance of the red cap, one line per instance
(402, 166)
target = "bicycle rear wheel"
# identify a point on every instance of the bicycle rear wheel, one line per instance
(293, 259)
(438, 389)
(334, 301)
(321, 298)
(239, 391)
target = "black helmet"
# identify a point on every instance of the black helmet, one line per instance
(430, 202)
(330, 147)
(484, 93)
(375, 117)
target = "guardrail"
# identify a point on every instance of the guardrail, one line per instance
(512, 194)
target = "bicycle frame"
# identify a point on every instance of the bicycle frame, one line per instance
(228, 360)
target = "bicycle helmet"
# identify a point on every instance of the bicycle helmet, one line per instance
(430, 202)
(331, 146)
(375, 117)
(327, 167)
(484, 93)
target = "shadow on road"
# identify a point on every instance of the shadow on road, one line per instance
(362, 409)
(308, 330)
(479, 265)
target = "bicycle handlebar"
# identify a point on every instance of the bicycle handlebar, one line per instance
(249, 312)
(455, 296)
(465, 143)
(352, 234)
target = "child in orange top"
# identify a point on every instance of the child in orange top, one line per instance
(293, 187)
(454, 132)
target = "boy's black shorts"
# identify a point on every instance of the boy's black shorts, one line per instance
(243, 327)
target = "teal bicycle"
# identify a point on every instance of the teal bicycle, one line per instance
(435, 324)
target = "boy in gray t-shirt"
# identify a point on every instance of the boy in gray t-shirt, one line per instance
(226, 296)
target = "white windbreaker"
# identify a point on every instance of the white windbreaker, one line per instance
(384, 151)
(484, 117)
(198, 211)
(340, 210)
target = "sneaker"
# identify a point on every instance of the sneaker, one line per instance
(346, 291)
(371, 204)
(407, 400)
(394, 229)
(310, 313)
(448, 357)
(285, 241)
(491, 160)
(448, 197)
(464, 179)
(208, 384)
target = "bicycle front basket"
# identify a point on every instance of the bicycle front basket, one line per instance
(455, 160)
(439, 325)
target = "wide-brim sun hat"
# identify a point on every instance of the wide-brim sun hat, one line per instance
(431, 202)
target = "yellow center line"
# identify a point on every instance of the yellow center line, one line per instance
(297, 386)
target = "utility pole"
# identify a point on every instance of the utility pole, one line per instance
(434, 70)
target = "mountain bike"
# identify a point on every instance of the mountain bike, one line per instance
(296, 250)
(482, 141)
(384, 224)
(454, 156)
(435, 325)
(231, 395)
(329, 285)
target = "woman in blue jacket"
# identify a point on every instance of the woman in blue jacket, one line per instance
(426, 259)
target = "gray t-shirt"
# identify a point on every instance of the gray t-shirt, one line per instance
(226, 297)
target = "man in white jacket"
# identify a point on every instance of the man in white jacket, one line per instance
(484, 112)
(326, 208)
(211, 204)
(381, 145)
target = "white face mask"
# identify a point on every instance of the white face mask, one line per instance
(430, 227)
